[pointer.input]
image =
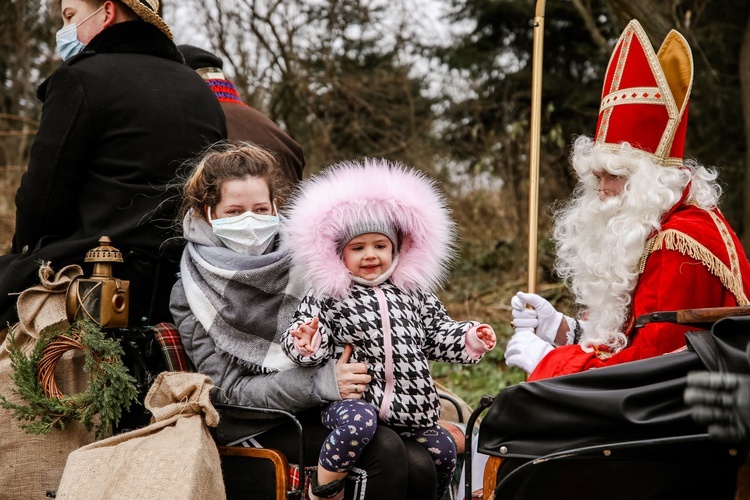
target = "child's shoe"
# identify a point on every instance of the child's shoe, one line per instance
(333, 490)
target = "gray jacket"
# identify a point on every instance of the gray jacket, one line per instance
(292, 390)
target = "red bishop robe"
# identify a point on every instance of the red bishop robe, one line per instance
(694, 261)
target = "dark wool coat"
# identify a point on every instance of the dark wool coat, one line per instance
(395, 334)
(117, 122)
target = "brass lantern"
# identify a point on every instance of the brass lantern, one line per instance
(101, 298)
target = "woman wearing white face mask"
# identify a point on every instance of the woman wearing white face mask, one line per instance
(232, 263)
(253, 230)
(237, 294)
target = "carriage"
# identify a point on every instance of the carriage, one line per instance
(619, 432)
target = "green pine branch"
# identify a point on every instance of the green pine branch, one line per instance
(111, 388)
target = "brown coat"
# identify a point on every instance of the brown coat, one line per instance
(245, 123)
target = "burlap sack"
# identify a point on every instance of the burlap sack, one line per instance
(33, 464)
(174, 457)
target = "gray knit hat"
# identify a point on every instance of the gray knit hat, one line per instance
(371, 226)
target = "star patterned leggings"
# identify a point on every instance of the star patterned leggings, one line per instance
(353, 423)
(441, 448)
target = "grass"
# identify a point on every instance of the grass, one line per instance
(485, 278)
(472, 382)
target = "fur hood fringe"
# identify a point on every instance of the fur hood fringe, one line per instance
(377, 190)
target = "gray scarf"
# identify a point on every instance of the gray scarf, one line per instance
(244, 302)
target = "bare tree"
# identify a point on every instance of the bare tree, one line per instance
(330, 72)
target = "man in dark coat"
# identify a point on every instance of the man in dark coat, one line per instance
(120, 116)
(245, 123)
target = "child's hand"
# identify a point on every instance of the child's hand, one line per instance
(304, 335)
(487, 335)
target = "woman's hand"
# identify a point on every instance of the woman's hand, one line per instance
(352, 378)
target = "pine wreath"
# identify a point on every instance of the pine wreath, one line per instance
(111, 388)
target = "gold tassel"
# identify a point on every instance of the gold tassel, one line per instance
(685, 245)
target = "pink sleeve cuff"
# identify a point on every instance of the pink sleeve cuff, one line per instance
(315, 341)
(475, 348)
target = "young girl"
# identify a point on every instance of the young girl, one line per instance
(375, 239)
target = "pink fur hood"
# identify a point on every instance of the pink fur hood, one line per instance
(349, 193)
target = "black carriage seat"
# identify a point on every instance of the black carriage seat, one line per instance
(620, 432)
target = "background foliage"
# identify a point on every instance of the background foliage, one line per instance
(443, 85)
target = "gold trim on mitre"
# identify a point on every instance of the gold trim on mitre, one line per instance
(672, 70)
(676, 60)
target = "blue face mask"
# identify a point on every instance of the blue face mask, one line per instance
(67, 43)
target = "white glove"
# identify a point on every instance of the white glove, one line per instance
(543, 318)
(525, 350)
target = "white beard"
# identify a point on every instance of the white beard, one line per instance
(599, 247)
(600, 243)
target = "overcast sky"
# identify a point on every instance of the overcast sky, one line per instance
(427, 16)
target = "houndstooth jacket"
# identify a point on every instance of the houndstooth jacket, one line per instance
(395, 334)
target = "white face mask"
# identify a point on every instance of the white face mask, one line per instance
(66, 38)
(248, 233)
